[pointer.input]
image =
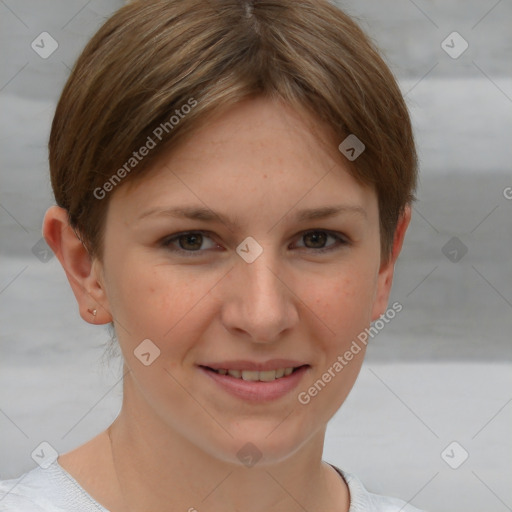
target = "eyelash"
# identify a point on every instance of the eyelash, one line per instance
(341, 241)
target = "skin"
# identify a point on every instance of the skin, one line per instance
(175, 441)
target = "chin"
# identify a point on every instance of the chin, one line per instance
(258, 445)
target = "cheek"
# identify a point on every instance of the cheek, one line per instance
(343, 302)
(155, 302)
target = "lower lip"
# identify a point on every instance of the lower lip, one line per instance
(257, 391)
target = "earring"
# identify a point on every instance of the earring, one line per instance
(92, 311)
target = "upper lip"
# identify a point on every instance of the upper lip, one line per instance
(240, 364)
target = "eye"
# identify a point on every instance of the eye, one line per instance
(189, 242)
(317, 238)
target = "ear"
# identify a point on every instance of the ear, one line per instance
(84, 275)
(385, 277)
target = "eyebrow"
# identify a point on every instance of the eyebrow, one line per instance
(205, 214)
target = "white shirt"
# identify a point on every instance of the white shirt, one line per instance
(55, 490)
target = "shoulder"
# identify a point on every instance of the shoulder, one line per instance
(362, 500)
(25, 494)
(13, 502)
(45, 490)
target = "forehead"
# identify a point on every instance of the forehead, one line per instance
(259, 156)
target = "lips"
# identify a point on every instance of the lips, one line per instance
(252, 390)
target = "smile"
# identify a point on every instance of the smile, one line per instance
(256, 385)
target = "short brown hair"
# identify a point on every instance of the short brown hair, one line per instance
(152, 57)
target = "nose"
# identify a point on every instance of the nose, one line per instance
(257, 300)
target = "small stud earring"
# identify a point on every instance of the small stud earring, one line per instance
(92, 311)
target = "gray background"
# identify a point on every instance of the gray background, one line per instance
(439, 372)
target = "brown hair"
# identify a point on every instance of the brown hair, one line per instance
(154, 57)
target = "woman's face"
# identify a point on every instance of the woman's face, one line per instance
(273, 285)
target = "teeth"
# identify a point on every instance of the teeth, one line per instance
(251, 375)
